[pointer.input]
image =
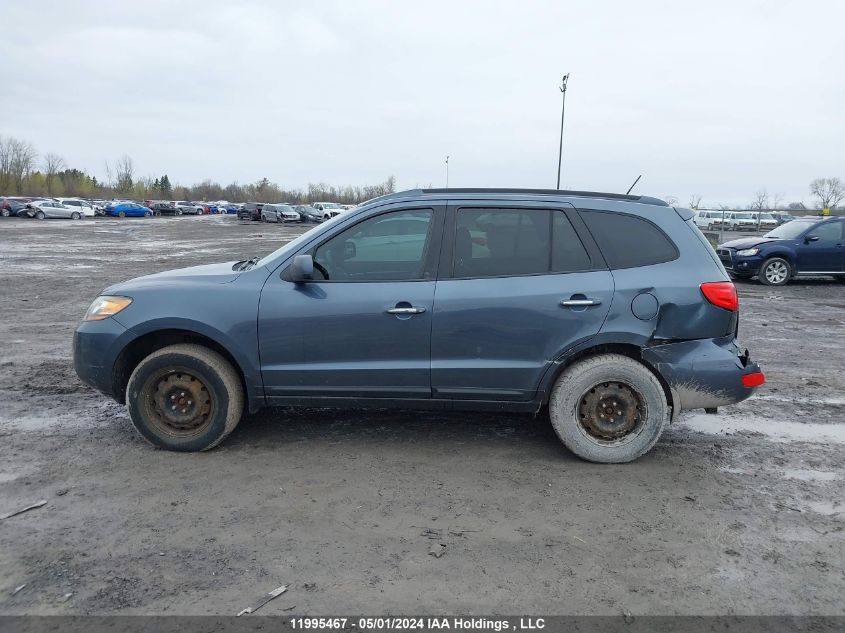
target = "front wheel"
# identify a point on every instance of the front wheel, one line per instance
(6, 213)
(122, 214)
(178, 211)
(39, 215)
(185, 398)
(75, 216)
(609, 409)
(148, 214)
(775, 271)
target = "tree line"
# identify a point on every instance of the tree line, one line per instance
(22, 173)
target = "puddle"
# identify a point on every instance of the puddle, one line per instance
(836, 402)
(829, 508)
(809, 474)
(7, 477)
(774, 430)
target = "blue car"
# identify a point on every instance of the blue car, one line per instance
(610, 312)
(808, 246)
(128, 210)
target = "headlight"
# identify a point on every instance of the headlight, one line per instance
(748, 252)
(106, 306)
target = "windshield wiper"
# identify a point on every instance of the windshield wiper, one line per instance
(252, 261)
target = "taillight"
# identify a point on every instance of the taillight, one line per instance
(721, 294)
(753, 380)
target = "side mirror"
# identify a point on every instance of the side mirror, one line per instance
(811, 238)
(302, 268)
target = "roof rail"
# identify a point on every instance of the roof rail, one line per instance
(544, 192)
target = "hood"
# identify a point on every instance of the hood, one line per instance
(206, 274)
(747, 242)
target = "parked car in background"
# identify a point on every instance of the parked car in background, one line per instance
(308, 213)
(99, 206)
(164, 208)
(14, 208)
(608, 311)
(763, 220)
(250, 211)
(128, 210)
(782, 217)
(202, 207)
(805, 246)
(48, 209)
(83, 205)
(327, 209)
(279, 213)
(709, 219)
(740, 220)
(186, 207)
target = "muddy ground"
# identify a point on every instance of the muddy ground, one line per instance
(736, 513)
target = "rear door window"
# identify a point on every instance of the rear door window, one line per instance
(500, 242)
(627, 241)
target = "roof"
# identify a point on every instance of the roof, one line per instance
(559, 193)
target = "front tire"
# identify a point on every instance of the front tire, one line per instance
(122, 214)
(75, 216)
(39, 215)
(609, 409)
(185, 398)
(775, 271)
(6, 213)
(148, 214)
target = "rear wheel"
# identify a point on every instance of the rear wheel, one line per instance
(75, 216)
(609, 409)
(148, 214)
(121, 214)
(6, 213)
(775, 271)
(185, 398)
(178, 211)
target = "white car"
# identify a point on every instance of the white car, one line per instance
(708, 219)
(51, 209)
(328, 209)
(83, 205)
(736, 220)
(767, 220)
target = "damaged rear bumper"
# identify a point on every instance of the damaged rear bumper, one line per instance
(705, 373)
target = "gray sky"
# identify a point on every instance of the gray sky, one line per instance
(715, 98)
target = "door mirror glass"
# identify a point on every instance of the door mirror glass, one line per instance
(302, 268)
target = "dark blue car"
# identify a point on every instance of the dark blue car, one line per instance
(612, 312)
(806, 246)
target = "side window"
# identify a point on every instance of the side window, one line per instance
(829, 232)
(388, 247)
(501, 242)
(568, 252)
(627, 241)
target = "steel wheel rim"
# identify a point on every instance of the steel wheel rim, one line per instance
(178, 403)
(776, 272)
(611, 412)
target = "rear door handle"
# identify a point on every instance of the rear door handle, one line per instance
(411, 310)
(580, 303)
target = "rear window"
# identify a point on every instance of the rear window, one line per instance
(627, 241)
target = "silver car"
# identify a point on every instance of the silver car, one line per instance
(50, 209)
(279, 213)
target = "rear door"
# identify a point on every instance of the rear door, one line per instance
(519, 283)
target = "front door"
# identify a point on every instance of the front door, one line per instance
(521, 284)
(827, 253)
(361, 328)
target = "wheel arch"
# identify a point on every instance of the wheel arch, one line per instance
(144, 345)
(630, 349)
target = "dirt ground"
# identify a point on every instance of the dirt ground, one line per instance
(735, 513)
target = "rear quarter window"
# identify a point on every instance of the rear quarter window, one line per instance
(628, 241)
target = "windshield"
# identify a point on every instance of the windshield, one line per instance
(790, 230)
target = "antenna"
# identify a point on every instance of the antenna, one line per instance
(634, 185)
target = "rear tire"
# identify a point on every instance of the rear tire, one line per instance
(75, 216)
(6, 213)
(775, 271)
(148, 214)
(609, 409)
(122, 214)
(185, 398)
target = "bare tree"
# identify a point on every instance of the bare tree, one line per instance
(777, 201)
(829, 191)
(671, 200)
(761, 200)
(695, 201)
(121, 174)
(5, 164)
(22, 157)
(53, 164)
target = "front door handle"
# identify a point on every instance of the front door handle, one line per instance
(409, 310)
(580, 303)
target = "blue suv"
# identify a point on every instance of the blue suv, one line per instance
(806, 246)
(611, 312)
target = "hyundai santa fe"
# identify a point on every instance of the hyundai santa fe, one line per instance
(611, 312)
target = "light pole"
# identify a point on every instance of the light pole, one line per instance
(562, 111)
(447, 171)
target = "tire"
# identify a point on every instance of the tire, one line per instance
(775, 271)
(183, 374)
(122, 214)
(596, 384)
(839, 278)
(75, 216)
(178, 211)
(6, 213)
(39, 215)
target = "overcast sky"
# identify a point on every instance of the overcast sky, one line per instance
(714, 98)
